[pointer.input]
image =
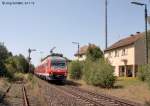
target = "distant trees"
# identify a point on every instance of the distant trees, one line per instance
(4, 54)
(9, 64)
(19, 63)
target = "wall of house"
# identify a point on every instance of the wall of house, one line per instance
(81, 58)
(140, 54)
(117, 61)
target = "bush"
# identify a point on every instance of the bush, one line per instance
(148, 76)
(75, 70)
(143, 72)
(10, 71)
(99, 73)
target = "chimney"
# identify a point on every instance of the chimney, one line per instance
(131, 35)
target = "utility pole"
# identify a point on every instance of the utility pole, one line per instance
(106, 24)
(29, 58)
(146, 35)
(78, 44)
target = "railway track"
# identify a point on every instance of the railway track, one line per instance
(15, 95)
(81, 97)
(101, 99)
(25, 98)
(56, 97)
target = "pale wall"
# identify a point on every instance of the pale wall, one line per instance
(117, 61)
(140, 54)
(80, 58)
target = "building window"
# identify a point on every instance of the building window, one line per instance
(80, 56)
(124, 52)
(109, 54)
(116, 53)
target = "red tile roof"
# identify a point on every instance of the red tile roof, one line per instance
(126, 41)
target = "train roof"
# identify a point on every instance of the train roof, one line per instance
(54, 57)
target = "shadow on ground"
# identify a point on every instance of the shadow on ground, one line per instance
(118, 87)
(72, 83)
(4, 103)
(67, 82)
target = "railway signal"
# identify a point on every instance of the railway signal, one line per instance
(29, 58)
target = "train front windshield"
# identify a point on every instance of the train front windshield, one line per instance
(58, 64)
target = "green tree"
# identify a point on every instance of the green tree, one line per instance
(94, 53)
(4, 54)
(19, 63)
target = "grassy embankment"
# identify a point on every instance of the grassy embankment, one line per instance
(127, 88)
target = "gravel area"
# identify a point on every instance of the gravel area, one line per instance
(64, 95)
(14, 97)
(57, 97)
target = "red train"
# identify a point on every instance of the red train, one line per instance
(52, 67)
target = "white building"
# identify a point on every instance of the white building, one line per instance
(127, 54)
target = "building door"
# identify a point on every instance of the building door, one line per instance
(129, 71)
(121, 71)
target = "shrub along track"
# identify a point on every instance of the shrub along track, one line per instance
(66, 95)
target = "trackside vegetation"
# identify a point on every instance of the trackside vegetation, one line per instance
(99, 73)
(12, 66)
(144, 73)
(75, 68)
(95, 70)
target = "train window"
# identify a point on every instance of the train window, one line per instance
(58, 64)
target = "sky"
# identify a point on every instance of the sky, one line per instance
(58, 23)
